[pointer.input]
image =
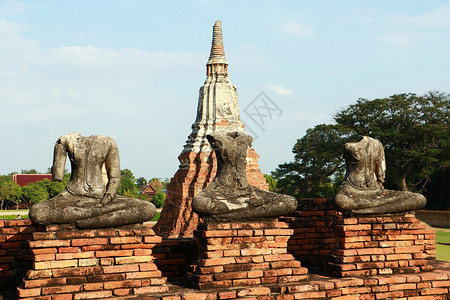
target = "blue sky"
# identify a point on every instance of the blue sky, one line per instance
(131, 69)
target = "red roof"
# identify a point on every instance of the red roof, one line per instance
(24, 179)
(148, 189)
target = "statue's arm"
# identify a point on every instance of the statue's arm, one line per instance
(59, 161)
(113, 170)
(380, 165)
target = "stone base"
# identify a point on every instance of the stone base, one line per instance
(93, 263)
(248, 253)
(381, 245)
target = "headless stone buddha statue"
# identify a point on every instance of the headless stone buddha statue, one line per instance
(362, 191)
(87, 200)
(229, 195)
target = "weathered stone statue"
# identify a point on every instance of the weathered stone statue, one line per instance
(362, 191)
(88, 200)
(229, 195)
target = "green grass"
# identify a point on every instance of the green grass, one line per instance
(442, 235)
(156, 217)
(12, 217)
(443, 252)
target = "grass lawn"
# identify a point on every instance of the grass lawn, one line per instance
(156, 217)
(442, 251)
(12, 217)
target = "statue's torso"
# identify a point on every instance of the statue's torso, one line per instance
(363, 162)
(87, 155)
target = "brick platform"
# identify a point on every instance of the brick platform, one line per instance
(314, 236)
(381, 245)
(433, 285)
(244, 254)
(85, 264)
(15, 257)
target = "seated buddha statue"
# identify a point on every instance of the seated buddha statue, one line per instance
(88, 200)
(362, 191)
(229, 195)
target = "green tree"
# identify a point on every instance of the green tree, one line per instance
(34, 193)
(414, 130)
(159, 199)
(29, 171)
(54, 188)
(140, 182)
(318, 166)
(165, 182)
(128, 174)
(10, 192)
(127, 188)
(272, 182)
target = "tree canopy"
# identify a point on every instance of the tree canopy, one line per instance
(413, 129)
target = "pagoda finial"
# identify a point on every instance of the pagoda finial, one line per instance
(217, 62)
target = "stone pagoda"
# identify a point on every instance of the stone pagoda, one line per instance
(218, 110)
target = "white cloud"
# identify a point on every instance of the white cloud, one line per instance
(280, 90)
(38, 84)
(437, 18)
(13, 7)
(402, 39)
(296, 29)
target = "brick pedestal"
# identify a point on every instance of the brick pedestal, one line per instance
(314, 236)
(244, 254)
(86, 264)
(381, 245)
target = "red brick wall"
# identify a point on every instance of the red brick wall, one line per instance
(15, 256)
(314, 236)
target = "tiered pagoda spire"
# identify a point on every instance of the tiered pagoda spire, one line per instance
(218, 110)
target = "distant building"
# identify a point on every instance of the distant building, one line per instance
(148, 190)
(24, 179)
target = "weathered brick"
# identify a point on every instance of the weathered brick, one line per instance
(113, 253)
(44, 282)
(111, 285)
(84, 271)
(106, 232)
(402, 286)
(89, 241)
(133, 259)
(56, 264)
(96, 286)
(121, 269)
(230, 275)
(310, 295)
(150, 289)
(37, 274)
(44, 235)
(93, 295)
(43, 250)
(61, 289)
(216, 261)
(245, 282)
(71, 255)
(254, 291)
(49, 243)
(434, 291)
(75, 234)
(60, 297)
(126, 240)
(145, 274)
